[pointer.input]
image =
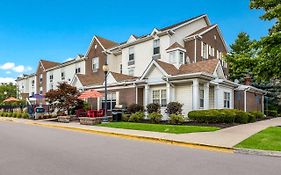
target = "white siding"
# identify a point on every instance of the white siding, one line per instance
(221, 91)
(184, 96)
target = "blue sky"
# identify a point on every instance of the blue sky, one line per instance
(56, 30)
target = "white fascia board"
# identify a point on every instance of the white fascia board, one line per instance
(188, 22)
(153, 63)
(177, 48)
(192, 75)
(91, 44)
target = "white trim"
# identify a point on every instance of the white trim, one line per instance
(91, 44)
(174, 49)
(195, 50)
(191, 21)
(148, 68)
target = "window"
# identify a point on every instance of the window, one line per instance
(62, 76)
(131, 71)
(226, 100)
(95, 62)
(181, 61)
(51, 86)
(201, 94)
(131, 54)
(211, 51)
(204, 51)
(77, 70)
(111, 101)
(120, 68)
(156, 47)
(41, 78)
(51, 78)
(32, 83)
(159, 97)
(172, 57)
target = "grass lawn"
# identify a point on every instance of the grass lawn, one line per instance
(176, 129)
(268, 139)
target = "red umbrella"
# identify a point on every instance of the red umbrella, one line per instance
(90, 94)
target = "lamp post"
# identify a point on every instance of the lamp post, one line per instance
(105, 70)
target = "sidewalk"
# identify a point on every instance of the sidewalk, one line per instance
(225, 138)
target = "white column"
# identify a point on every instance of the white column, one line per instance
(173, 94)
(216, 96)
(206, 95)
(146, 95)
(195, 94)
(117, 98)
(168, 92)
(136, 95)
(262, 103)
(98, 101)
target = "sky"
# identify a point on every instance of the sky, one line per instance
(57, 30)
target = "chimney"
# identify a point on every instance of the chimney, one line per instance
(248, 80)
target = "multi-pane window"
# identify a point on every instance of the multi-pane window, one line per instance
(51, 78)
(201, 94)
(204, 51)
(62, 76)
(156, 47)
(131, 54)
(111, 101)
(181, 61)
(159, 97)
(41, 78)
(226, 100)
(77, 70)
(32, 83)
(121, 68)
(172, 56)
(95, 62)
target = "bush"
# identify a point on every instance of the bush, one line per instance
(25, 115)
(136, 117)
(153, 107)
(155, 117)
(125, 117)
(19, 115)
(241, 117)
(133, 108)
(10, 114)
(251, 117)
(272, 113)
(1, 113)
(176, 119)
(174, 108)
(258, 115)
(14, 115)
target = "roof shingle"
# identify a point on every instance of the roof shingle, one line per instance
(49, 64)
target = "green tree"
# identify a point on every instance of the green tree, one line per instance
(269, 47)
(241, 58)
(9, 89)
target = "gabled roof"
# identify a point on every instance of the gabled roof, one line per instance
(202, 30)
(170, 69)
(106, 43)
(122, 77)
(174, 46)
(48, 64)
(208, 66)
(90, 79)
(182, 22)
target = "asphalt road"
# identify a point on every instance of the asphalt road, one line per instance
(35, 150)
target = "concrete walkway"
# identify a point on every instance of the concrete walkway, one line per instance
(228, 137)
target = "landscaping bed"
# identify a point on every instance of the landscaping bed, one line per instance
(176, 129)
(268, 139)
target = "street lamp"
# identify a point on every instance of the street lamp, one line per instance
(105, 69)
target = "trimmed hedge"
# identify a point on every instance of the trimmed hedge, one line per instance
(133, 108)
(221, 116)
(258, 115)
(176, 119)
(153, 107)
(14, 114)
(155, 117)
(136, 117)
(272, 113)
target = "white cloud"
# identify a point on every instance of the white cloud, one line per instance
(7, 80)
(9, 66)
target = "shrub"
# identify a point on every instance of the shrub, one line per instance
(125, 117)
(272, 113)
(153, 107)
(25, 115)
(136, 117)
(251, 117)
(14, 115)
(19, 115)
(258, 115)
(174, 108)
(155, 117)
(10, 114)
(1, 113)
(241, 117)
(176, 119)
(133, 108)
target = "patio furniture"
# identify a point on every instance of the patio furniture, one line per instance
(80, 113)
(100, 113)
(91, 113)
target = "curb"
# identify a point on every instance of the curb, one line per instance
(258, 152)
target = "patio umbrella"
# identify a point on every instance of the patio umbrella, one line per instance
(90, 94)
(37, 96)
(11, 100)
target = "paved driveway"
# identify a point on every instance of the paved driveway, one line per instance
(34, 150)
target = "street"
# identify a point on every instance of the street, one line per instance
(35, 150)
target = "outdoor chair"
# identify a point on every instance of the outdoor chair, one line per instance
(80, 113)
(91, 113)
(100, 113)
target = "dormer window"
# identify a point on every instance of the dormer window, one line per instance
(176, 54)
(181, 58)
(51, 78)
(131, 54)
(156, 47)
(77, 70)
(95, 62)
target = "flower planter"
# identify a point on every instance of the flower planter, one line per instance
(92, 121)
(64, 119)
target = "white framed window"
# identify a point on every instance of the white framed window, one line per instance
(62, 76)
(121, 68)
(131, 71)
(111, 101)
(41, 78)
(51, 78)
(201, 95)
(226, 100)
(156, 47)
(204, 50)
(77, 70)
(181, 58)
(131, 54)
(95, 64)
(172, 57)
(159, 97)
(32, 83)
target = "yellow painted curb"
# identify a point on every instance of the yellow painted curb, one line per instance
(143, 138)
